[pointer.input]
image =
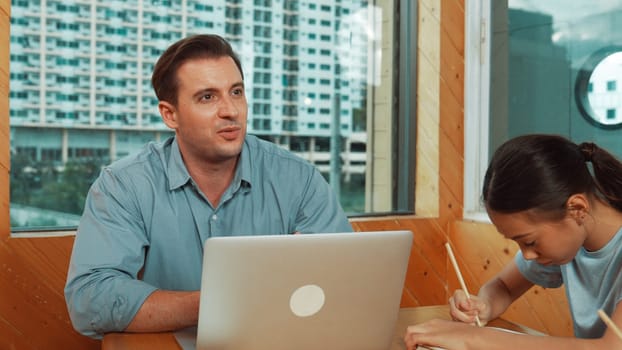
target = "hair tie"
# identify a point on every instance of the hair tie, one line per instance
(587, 149)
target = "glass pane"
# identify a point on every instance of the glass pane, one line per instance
(596, 90)
(81, 94)
(544, 70)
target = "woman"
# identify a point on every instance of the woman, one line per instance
(562, 204)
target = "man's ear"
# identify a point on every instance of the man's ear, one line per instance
(168, 113)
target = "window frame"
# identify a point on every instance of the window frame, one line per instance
(405, 125)
(403, 128)
(476, 105)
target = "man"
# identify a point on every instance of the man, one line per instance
(136, 261)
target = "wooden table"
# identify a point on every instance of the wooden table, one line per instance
(407, 316)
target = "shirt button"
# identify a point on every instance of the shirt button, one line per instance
(214, 217)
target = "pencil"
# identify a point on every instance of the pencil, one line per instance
(610, 323)
(460, 279)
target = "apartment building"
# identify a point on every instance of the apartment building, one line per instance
(80, 73)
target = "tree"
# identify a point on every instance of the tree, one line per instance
(67, 192)
(23, 178)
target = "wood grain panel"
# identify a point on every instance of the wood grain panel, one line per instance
(452, 20)
(452, 47)
(452, 122)
(452, 184)
(425, 280)
(451, 110)
(427, 143)
(32, 271)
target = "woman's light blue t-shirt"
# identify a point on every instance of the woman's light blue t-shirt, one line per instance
(592, 281)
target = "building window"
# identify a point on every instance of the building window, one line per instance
(611, 85)
(539, 50)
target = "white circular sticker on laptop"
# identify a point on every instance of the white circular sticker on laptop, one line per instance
(307, 300)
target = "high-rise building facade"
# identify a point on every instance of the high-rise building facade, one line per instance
(80, 72)
(80, 93)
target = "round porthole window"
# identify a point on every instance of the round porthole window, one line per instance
(598, 89)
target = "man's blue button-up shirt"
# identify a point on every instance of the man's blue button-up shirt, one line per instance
(145, 222)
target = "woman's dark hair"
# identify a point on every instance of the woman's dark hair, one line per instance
(542, 171)
(164, 78)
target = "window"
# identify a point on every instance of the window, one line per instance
(611, 113)
(83, 100)
(611, 85)
(537, 79)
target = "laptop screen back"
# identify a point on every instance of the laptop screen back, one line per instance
(311, 291)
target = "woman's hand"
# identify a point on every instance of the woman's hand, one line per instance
(440, 333)
(465, 309)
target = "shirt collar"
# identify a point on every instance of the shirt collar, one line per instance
(178, 173)
(243, 173)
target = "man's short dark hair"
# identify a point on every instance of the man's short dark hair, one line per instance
(164, 78)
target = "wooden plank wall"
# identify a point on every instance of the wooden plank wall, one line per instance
(32, 271)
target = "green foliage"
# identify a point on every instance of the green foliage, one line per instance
(23, 178)
(353, 195)
(42, 185)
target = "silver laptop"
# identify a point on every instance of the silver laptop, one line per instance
(311, 291)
